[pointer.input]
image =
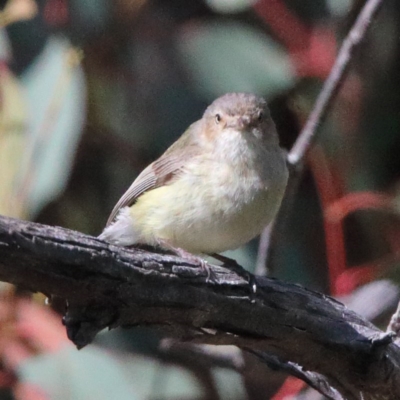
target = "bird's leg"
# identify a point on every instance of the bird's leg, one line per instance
(189, 257)
(232, 264)
(225, 260)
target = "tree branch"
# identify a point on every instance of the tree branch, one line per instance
(309, 132)
(332, 84)
(110, 286)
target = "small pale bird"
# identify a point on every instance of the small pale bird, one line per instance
(213, 190)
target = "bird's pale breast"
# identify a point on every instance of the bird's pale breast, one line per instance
(219, 209)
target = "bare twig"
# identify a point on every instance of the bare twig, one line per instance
(332, 84)
(312, 379)
(262, 253)
(394, 324)
(309, 132)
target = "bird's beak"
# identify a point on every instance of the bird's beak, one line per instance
(243, 122)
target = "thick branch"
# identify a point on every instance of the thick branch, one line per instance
(109, 286)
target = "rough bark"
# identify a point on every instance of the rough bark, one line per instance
(287, 326)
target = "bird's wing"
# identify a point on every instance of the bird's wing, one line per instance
(162, 171)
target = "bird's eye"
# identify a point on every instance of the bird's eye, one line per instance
(260, 116)
(217, 118)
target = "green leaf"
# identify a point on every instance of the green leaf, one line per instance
(233, 57)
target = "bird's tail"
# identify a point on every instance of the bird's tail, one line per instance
(122, 231)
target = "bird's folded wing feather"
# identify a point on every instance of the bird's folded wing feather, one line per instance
(162, 171)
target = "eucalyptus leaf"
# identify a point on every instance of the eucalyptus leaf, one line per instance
(55, 94)
(96, 374)
(234, 57)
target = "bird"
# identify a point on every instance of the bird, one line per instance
(213, 190)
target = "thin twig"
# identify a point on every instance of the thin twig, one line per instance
(335, 78)
(309, 132)
(314, 380)
(394, 324)
(262, 253)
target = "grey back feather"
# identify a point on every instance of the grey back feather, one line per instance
(161, 172)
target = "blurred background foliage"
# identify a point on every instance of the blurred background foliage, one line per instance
(92, 91)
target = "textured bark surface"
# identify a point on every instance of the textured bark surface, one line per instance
(287, 326)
